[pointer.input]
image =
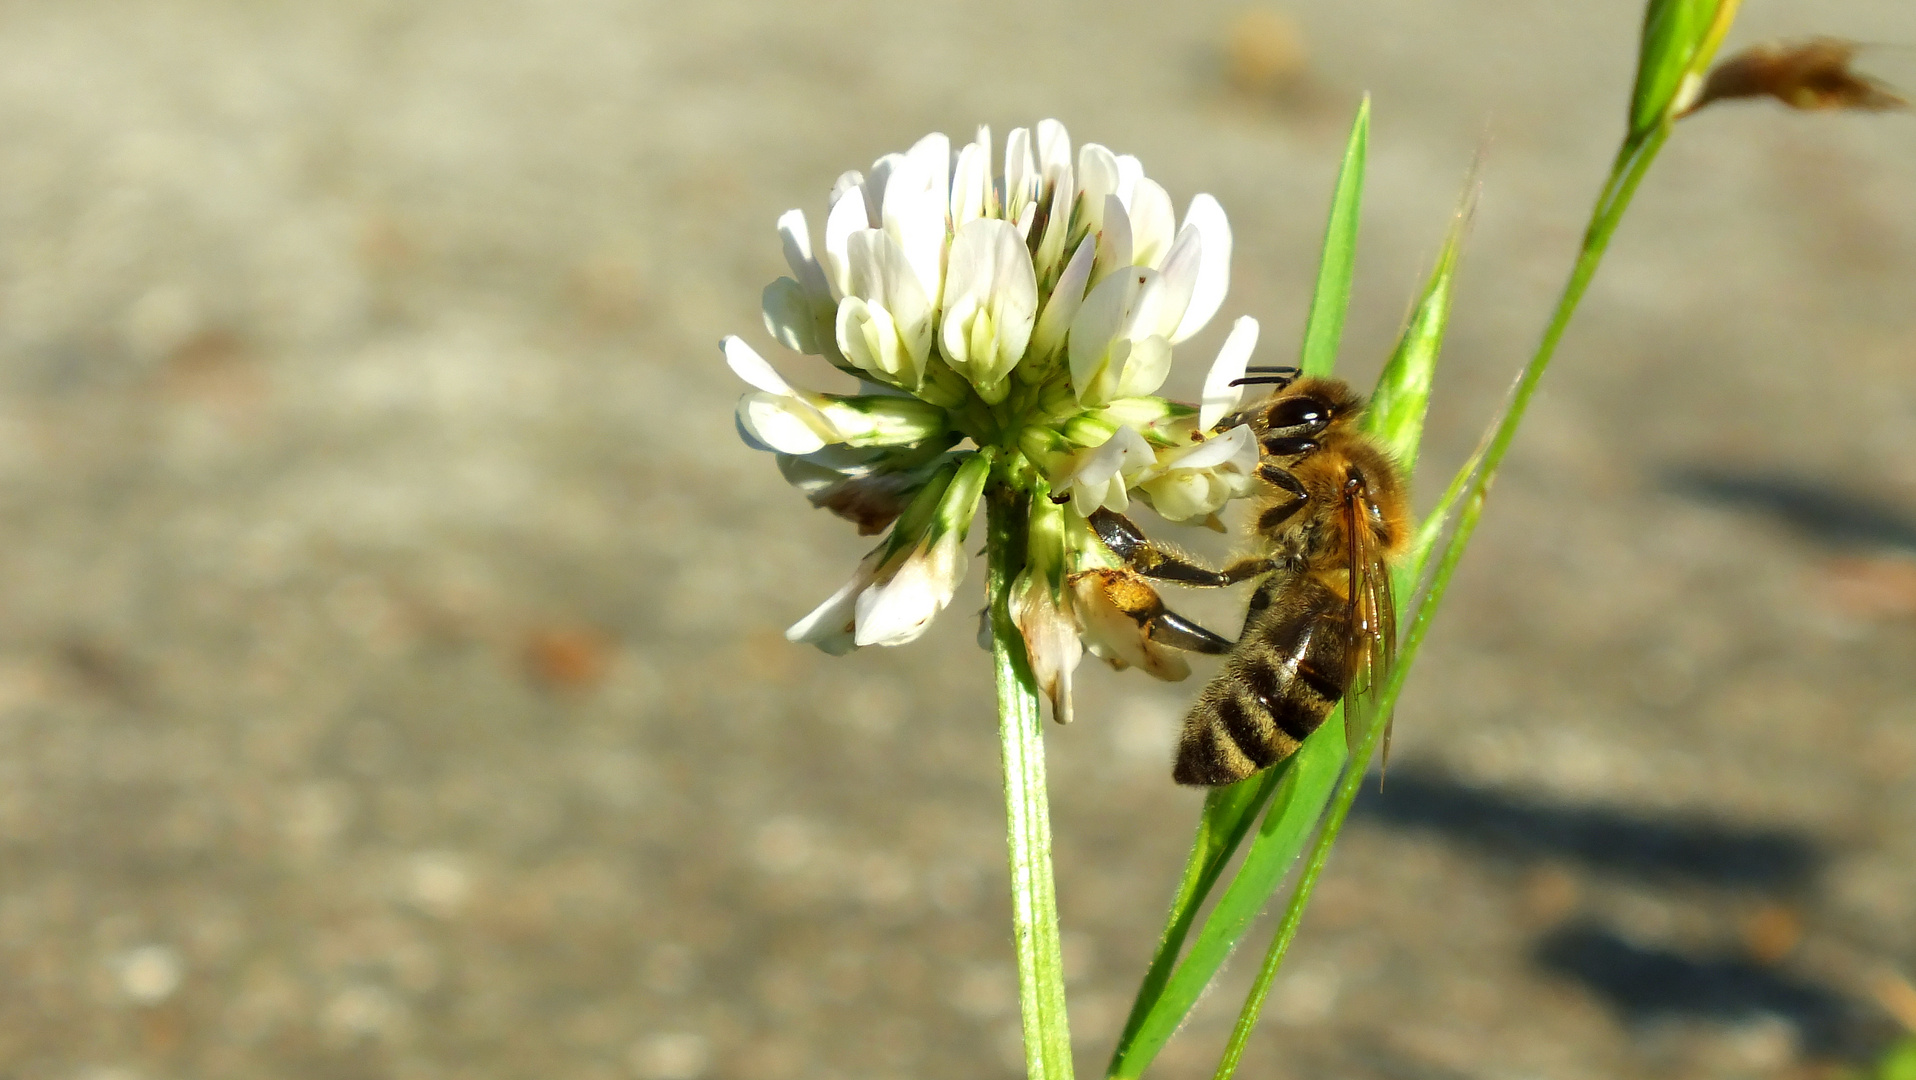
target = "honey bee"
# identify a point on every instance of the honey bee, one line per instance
(1331, 513)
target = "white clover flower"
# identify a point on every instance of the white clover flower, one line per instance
(1011, 323)
(1222, 390)
(1195, 481)
(833, 625)
(797, 422)
(1107, 470)
(899, 610)
(991, 305)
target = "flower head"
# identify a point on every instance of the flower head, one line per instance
(1011, 324)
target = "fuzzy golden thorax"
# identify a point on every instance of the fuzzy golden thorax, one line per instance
(1313, 456)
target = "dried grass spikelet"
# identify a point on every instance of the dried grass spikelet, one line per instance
(1814, 74)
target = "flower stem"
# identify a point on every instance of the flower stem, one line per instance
(1034, 896)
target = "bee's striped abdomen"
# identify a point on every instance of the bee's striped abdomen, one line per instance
(1283, 679)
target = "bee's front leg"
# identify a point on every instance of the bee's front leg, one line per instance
(1155, 560)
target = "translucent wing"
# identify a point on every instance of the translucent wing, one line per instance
(1371, 644)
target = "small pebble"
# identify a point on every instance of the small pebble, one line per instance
(151, 973)
(678, 1055)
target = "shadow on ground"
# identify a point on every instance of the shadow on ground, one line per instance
(1645, 984)
(1818, 510)
(1666, 848)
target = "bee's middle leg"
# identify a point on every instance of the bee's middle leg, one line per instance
(1153, 560)
(1167, 627)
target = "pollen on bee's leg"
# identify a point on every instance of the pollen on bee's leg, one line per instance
(1130, 594)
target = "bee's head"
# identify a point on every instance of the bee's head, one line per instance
(1306, 408)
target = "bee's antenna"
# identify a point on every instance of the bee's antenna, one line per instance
(1282, 375)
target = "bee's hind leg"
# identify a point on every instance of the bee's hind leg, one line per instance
(1154, 560)
(1167, 627)
(1131, 594)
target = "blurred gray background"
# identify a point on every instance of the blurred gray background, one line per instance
(391, 680)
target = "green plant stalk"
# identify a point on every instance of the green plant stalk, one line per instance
(1632, 163)
(1034, 894)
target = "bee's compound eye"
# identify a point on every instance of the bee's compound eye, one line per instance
(1298, 415)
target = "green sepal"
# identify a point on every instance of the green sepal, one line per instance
(1089, 429)
(960, 503)
(883, 419)
(916, 522)
(1044, 540)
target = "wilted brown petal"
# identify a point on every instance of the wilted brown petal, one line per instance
(1807, 75)
(1051, 642)
(870, 502)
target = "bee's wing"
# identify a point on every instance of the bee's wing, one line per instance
(1371, 645)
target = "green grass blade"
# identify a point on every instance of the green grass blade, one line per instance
(1396, 412)
(1228, 815)
(1441, 547)
(1325, 327)
(1465, 499)
(1163, 1000)
(1301, 793)
(1396, 417)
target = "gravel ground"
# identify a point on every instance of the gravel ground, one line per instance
(391, 680)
